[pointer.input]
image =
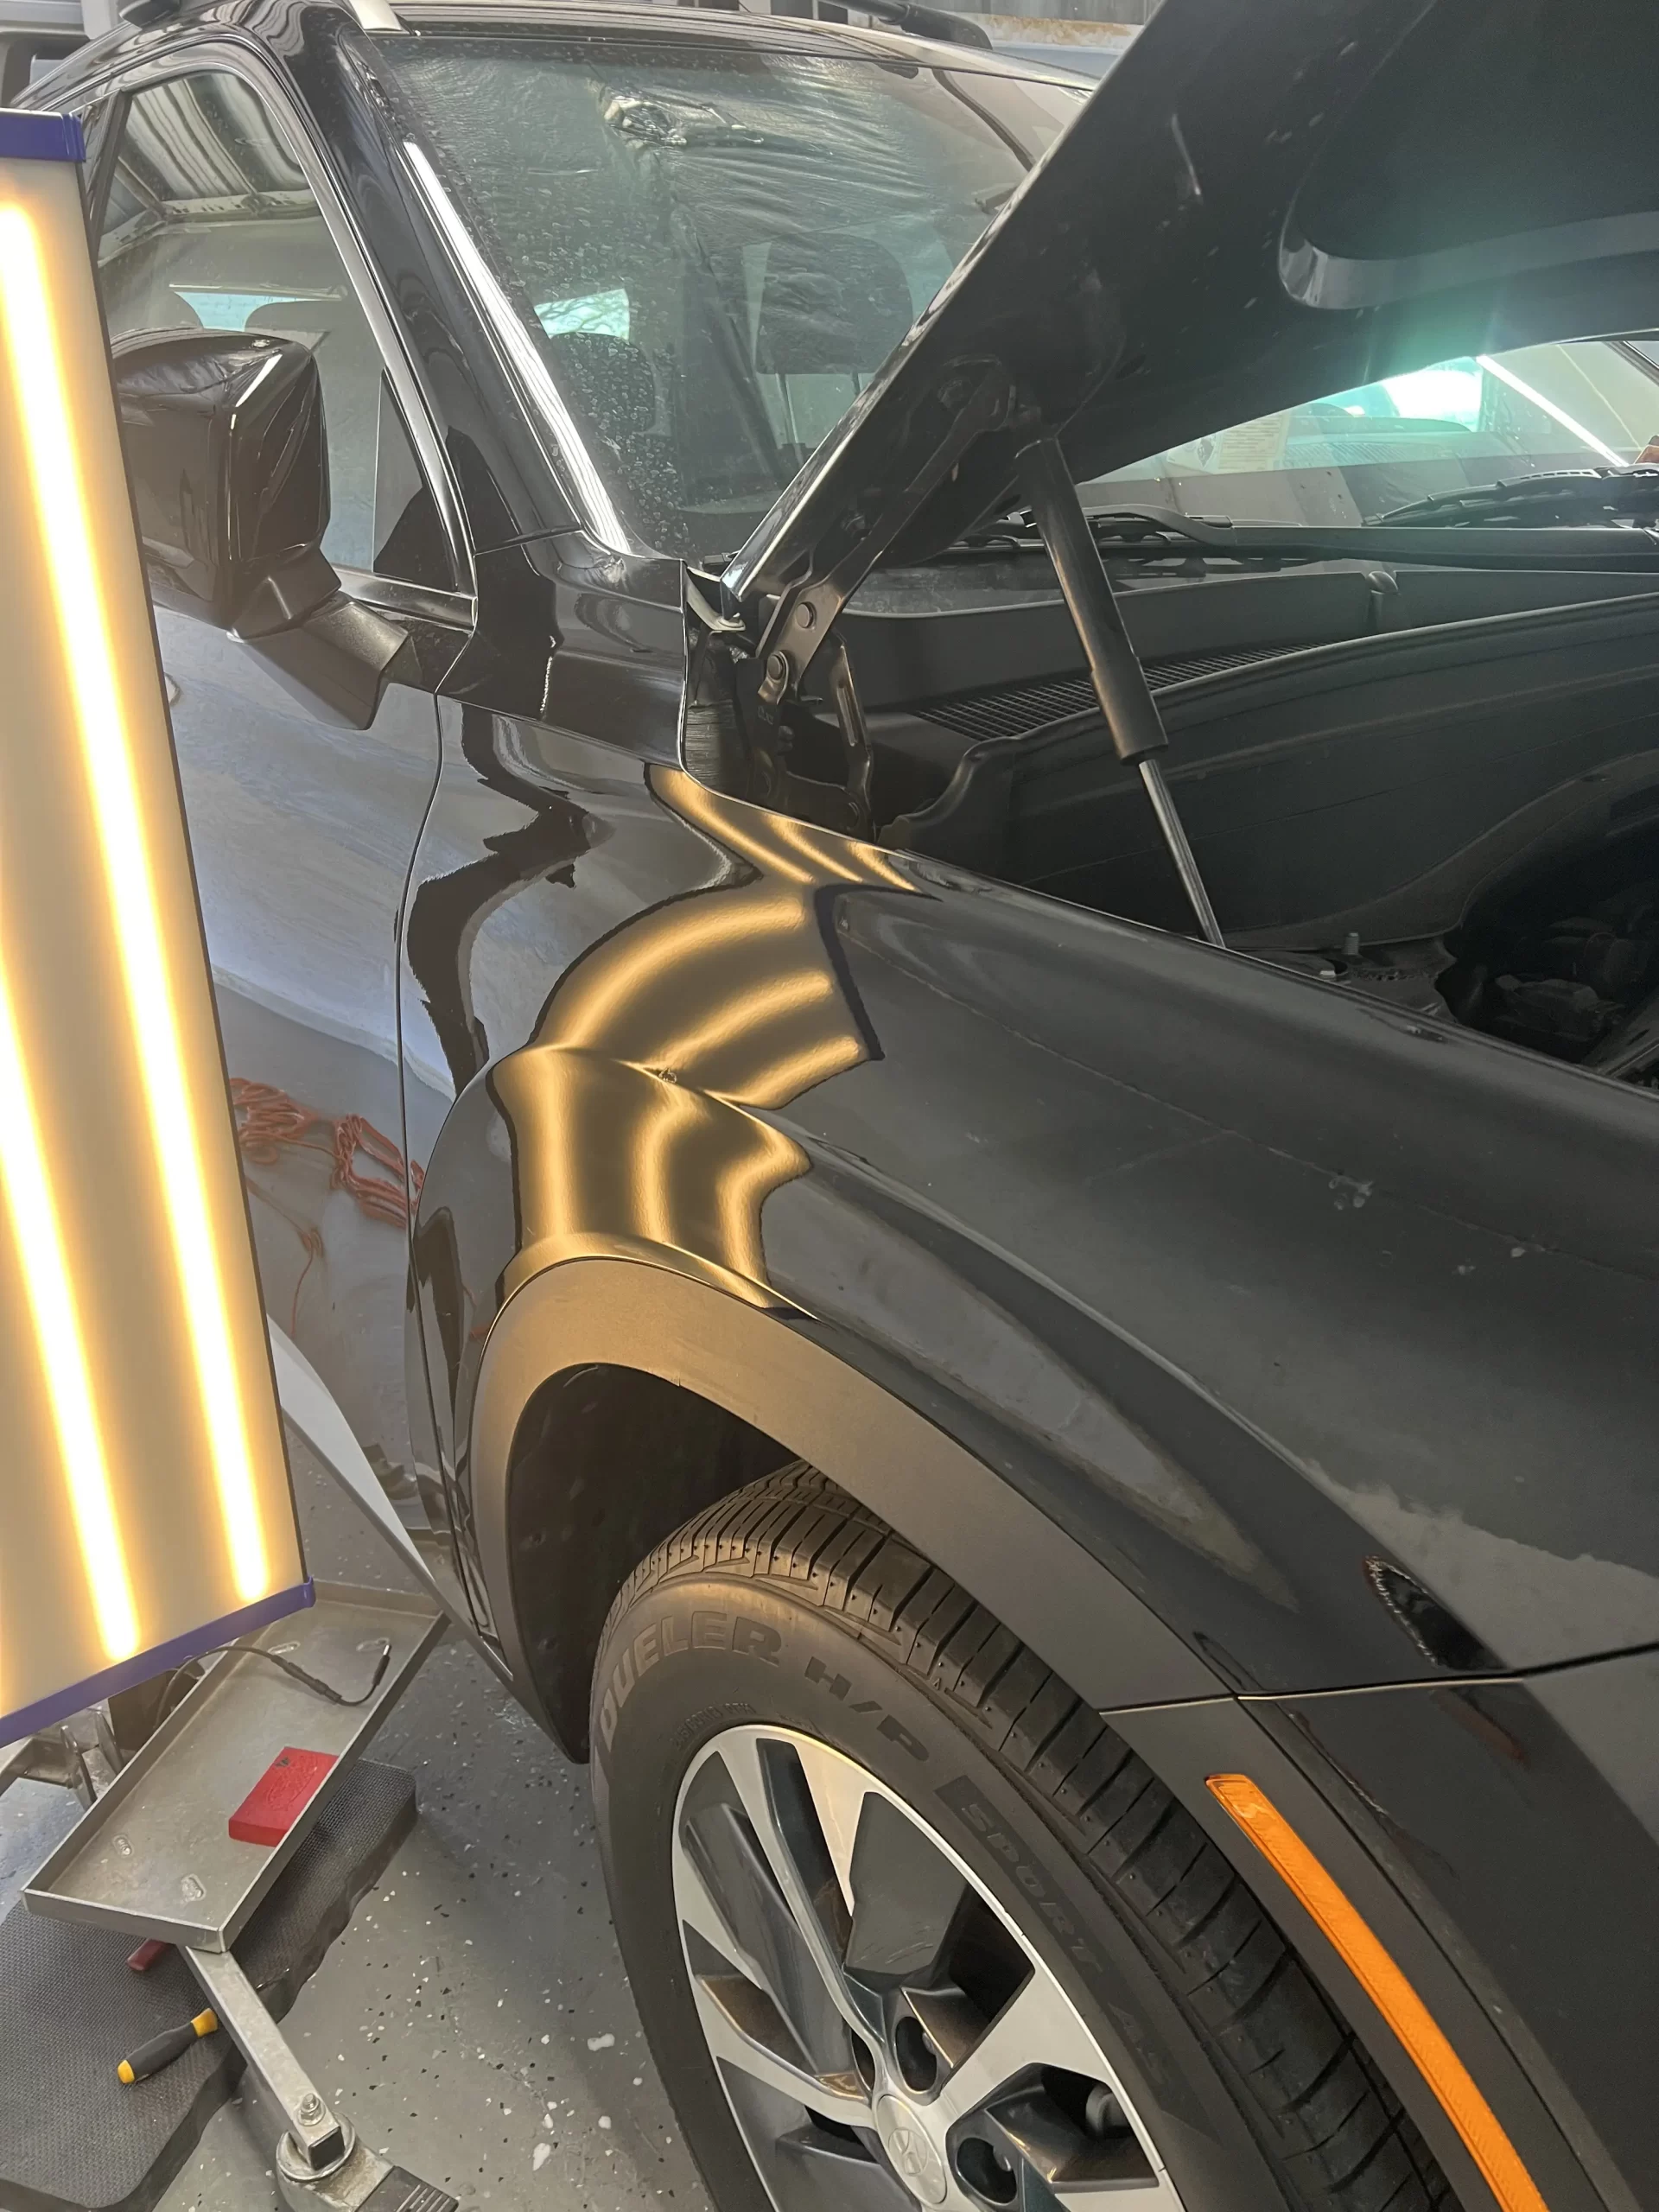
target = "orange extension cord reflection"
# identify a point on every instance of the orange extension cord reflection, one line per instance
(269, 1122)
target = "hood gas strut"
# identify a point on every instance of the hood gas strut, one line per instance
(1133, 720)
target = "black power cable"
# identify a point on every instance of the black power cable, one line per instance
(313, 1682)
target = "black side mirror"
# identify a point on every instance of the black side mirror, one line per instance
(229, 460)
(225, 443)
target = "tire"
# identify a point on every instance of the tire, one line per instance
(789, 1615)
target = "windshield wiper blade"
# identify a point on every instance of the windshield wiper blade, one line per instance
(1559, 495)
(1157, 533)
(1161, 534)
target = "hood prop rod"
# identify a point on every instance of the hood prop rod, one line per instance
(1132, 721)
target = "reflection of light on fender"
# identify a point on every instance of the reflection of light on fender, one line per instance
(1374, 1968)
(671, 1115)
(772, 1160)
(63, 1351)
(601, 990)
(745, 1012)
(786, 1079)
(834, 859)
(789, 851)
(37, 378)
(637, 1108)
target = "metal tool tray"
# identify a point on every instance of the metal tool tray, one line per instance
(154, 1855)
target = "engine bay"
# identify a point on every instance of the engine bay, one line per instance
(1568, 964)
(1456, 814)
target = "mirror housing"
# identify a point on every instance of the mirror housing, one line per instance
(227, 451)
(229, 461)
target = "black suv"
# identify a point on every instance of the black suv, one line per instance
(1062, 1356)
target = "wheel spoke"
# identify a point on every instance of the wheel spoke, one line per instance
(840, 1793)
(728, 1893)
(739, 2034)
(772, 1785)
(839, 2177)
(907, 1895)
(1036, 2027)
(700, 1909)
(1065, 2161)
(1144, 2190)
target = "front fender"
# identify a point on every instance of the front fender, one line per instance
(1323, 1334)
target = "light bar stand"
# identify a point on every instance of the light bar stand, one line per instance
(152, 1855)
(316, 2147)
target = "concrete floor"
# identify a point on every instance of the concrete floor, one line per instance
(473, 2020)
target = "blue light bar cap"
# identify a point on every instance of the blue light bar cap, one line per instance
(28, 137)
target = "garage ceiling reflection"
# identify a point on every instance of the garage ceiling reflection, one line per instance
(145, 1511)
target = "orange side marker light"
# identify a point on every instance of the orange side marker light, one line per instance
(1375, 1970)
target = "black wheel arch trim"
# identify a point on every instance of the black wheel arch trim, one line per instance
(756, 1362)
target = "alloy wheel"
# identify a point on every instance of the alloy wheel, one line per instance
(885, 2034)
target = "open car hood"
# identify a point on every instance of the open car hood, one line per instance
(1266, 200)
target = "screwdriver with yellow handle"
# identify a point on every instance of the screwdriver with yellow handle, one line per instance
(161, 2050)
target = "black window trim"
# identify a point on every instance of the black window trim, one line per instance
(197, 57)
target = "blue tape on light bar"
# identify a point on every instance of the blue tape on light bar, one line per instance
(160, 1660)
(26, 136)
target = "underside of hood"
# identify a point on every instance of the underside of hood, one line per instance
(1267, 201)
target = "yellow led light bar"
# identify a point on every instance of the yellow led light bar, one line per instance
(145, 1510)
(1350, 1936)
(57, 1334)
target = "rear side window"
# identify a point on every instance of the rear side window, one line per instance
(209, 221)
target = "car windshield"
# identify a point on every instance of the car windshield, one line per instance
(1458, 424)
(710, 244)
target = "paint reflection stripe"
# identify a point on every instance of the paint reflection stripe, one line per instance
(598, 993)
(744, 1019)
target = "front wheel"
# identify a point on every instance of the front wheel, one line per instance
(909, 1926)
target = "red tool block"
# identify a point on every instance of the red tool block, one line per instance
(280, 1796)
